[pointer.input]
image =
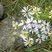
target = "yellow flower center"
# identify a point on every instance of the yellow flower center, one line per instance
(29, 42)
(25, 34)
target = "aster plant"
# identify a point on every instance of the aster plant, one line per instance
(31, 22)
(34, 30)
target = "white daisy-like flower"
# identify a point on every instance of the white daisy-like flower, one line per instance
(50, 14)
(37, 11)
(45, 27)
(15, 24)
(28, 42)
(31, 25)
(26, 12)
(41, 38)
(24, 35)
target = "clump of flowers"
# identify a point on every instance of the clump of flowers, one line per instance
(30, 12)
(39, 27)
(32, 26)
(33, 30)
(28, 41)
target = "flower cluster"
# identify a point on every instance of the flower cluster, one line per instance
(26, 12)
(39, 27)
(28, 41)
(32, 26)
(33, 30)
